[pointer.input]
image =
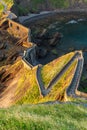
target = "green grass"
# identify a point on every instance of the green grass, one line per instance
(9, 4)
(49, 71)
(60, 3)
(58, 90)
(1, 7)
(44, 117)
(35, 4)
(54, 3)
(83, 84)
(28, 84)
(27, 88)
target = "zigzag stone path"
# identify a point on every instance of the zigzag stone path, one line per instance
(75, 81)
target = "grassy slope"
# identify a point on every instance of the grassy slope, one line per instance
(53, 4)
(1, 8)
(32, 95)
(26, 81)
(26, 88)
(50, 70)
(9, 3)
(60, 3)
(58, 90)
(44, 117)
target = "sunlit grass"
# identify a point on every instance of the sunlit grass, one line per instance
(27, 87)
(27, 84)
(44, 117)
(49, 71)
(8, 3)
(58, 90)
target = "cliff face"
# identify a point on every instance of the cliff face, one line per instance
(22, 7)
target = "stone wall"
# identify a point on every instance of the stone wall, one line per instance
(18, 30)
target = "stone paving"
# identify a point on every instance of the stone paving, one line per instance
(71, 91)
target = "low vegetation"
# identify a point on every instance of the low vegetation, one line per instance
(49, 71)
(83, 84)
(32, 94)
(59, 89)
(27, 90)
(1, 8)
(60, 3)
(67, 116)
(8, 3)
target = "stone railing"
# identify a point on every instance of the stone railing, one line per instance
(72, 90)
(41, 86)
(79, 93)
(26, 63)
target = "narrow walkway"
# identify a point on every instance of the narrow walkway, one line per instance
(44, 91)
(73, 88)
(75, 81)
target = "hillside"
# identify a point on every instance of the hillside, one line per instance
(45, 96)
(5, 4)
(34, 6)
(26, 6)
(19, 84)
(70, 116)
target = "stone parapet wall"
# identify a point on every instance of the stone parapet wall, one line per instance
(18, 30)
(72, 90)
(81, 94)
(26, 63)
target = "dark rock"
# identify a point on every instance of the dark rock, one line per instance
(56, 39)
(12, 57)
(2, 57)
(41, 52)
(2, 72)
(2, 45)
(44, 35)
(38, 42)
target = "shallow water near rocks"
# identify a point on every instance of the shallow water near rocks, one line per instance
(74, 38)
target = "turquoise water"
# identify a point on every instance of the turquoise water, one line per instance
(74, 38)
(74, 35)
